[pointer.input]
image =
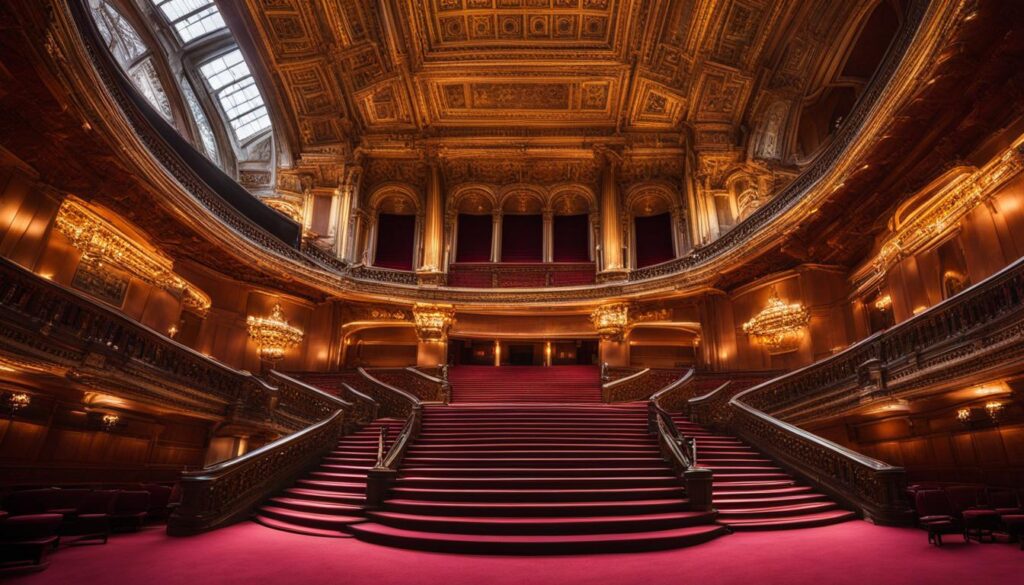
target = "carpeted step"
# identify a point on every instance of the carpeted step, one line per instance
(790, 522)
(537, 494)
(586, 508)
(326, 496)
(310, 519)
(775, 511)
(563, 483)
(537, 545)
(315, 506)
(767, 499)
(435, 471)
(546, 525)
(297, 528)
(617, 461)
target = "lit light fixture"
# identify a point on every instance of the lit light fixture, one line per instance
(433, 321)
(611, 321)
(18, 400)
(919, 309)
(994, 408)
(779, 326)
(172, 331)
(110, 421)
(963, 415)
(273, 335)
(883, 303)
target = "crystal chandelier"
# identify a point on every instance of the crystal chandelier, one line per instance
(273, 334)
(780, 326)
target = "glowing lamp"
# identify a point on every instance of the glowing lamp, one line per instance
(273, 335)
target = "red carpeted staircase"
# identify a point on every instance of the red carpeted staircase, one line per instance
(751, 492)
(532, 477)
(329, 499)
(519, 384)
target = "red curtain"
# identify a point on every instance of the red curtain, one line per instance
(522, 238)
(395, 240)
(653, 239)
(571, 241)
(474, 238)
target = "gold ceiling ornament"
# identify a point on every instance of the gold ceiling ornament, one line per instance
(101, 243)
(779, 326)
(273, 335)
(433, 321)
(611, 321)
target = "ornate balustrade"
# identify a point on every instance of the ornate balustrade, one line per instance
(975, 334)
(424, 386)
(514, 275)
(228, 492)
(638, 386)
(612, 373)
(302, 404)
(65, 331)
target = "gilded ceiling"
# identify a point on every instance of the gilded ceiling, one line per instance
(390, 78)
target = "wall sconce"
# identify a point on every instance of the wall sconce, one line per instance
(110, 421)
(17, 401)
(172, 331)
(273, 334)
(779, 326)
(994, 408)
(883, 303)
(963, 415)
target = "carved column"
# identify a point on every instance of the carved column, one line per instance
(433, 228)
(432, 324)
(549, 236)
(496, 236)
(348, 200)
(613, 267)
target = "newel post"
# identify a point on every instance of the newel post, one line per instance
(698, 488)
(378, 483)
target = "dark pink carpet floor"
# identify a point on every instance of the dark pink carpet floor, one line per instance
(850, 553)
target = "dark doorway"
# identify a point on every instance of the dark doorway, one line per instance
(520, 355)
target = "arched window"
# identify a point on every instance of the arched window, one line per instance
(232, 83)
(191, 19)
(132, 54)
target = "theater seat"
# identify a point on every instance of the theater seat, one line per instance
(979, 521)
(159, 498)
(935, 514)
(1004, 501)
(26, 539)
(92, 518)
(66, 501)
(29, 502)
(1014, 524)
(130, 510)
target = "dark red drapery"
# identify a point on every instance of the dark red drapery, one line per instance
(653, 239)
(571, 241)
(395, 240)
(522, 238)
(474, 238)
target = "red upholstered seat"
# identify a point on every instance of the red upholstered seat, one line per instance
(1014, 524)
(26, 539)
(935, 514)
(66, 501)
(130, 509)
(92, 519)
(159, 498)
(25, 502)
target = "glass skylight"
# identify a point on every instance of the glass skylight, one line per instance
(232, 82)
(191, 18)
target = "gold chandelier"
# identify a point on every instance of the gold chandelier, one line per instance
(273, 334)
(433, 321)
(779, 326)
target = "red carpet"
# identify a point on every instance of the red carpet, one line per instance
(852, 553)
(536, 479)
(518, 384)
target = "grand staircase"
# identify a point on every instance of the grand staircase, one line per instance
(536, 479)
(329, 499)
(751, 492)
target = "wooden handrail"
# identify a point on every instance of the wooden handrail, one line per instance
(638, 386)
(228, 492)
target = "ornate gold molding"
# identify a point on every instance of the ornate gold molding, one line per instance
(101, 243)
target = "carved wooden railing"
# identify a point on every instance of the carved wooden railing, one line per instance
(229, 491)
(424, 386)
(612, 373)
(44, 322)
(975, 334)
(396, 403)
(680, 451)
(638, 386)
(300, 403)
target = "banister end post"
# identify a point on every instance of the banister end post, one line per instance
(698, 488)
(378, 482)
